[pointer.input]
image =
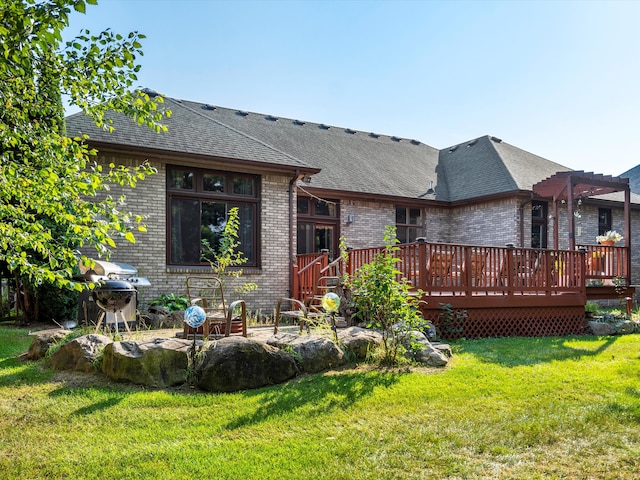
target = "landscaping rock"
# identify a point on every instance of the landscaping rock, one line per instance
(625, 327)
(443, 348)
(360, 341)
(429, 356)
(158, 362)
(599, 328)
(80, 354)
(313, 353)
(237, 363)
(43, 340)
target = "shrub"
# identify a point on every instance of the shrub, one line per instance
(384, 302)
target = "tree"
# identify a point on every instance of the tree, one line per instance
(54, 198)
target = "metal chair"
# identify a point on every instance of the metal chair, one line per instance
(222, 319)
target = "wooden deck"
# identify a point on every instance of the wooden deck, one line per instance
(496, 291)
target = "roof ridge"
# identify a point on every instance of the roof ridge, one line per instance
(264, 144)
(493, 144)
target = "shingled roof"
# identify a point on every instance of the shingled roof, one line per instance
(349, 160)
(489, 166)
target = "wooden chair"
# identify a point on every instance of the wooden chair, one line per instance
(476, 268)
(222, 319)
(297, 312)
(439, 268)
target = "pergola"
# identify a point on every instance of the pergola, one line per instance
(572, 186)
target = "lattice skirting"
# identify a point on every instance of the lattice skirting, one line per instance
(509, 322)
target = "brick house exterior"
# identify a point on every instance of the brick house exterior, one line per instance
(481, 195)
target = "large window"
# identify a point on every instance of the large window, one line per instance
(604, 220)
(198, 205)
(408, 224)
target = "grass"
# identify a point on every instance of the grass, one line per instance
(504, 409)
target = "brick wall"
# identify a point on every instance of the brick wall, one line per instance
(148, 254)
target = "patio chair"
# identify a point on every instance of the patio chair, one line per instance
(439, 268)
(476, 267)
(222, 319)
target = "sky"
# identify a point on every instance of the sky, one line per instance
(560, 79)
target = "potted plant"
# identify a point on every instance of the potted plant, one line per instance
(609, 238)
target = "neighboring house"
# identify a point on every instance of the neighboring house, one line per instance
(300, 186)
(634, 178)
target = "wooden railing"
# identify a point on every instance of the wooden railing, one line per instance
(306, 272)
(607, 262)
(441, 269)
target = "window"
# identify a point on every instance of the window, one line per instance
(538, 224)
(604, 220)
(408, 224)
(317, 226)
(198, 204)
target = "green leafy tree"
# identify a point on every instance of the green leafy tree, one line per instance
(225, 256)
(385, 303)
(54, 198)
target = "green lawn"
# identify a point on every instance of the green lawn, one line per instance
(504, 408)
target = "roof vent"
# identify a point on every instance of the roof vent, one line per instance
(151, 92)
(271, 118)
(242, 113)
(396, 139)
(298, 122)
(209, 107)
(496, 139)
(349, 131)
(415, 142)
(374, 135)
(324, 127)
(453, 149)
(471, 143)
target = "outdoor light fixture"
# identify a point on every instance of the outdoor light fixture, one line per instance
(351, 218)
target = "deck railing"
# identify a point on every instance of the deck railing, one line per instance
(441, 269)
(306, 272)
(607, 262)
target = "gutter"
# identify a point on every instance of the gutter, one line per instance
(292, 210)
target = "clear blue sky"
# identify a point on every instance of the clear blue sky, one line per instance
(560, 79)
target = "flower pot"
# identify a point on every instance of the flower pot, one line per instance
(609, 243)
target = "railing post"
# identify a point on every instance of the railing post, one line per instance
(423, 260)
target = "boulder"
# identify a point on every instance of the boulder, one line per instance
(314, 353)
(428, 355)
(599, 328)
(360, 341)
(43, 340)
(625, 327)
(157, 362)
(80, 354)
(238, 363)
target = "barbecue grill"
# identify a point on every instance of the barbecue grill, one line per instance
(114, 301)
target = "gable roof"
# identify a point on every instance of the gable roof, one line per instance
(489, 166)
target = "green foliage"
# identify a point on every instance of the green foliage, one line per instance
(56, 304)
(171, 301)
(226, 257)
(451, 321)
(591, 307)
(54, 199)
(383, 302)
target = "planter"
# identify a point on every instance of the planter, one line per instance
(608, 243)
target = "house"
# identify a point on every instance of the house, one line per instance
(301, 185)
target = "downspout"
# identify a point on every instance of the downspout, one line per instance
(292, 248)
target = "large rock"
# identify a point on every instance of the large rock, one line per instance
(360, 341)
(429, 356)
(158, 362)
(313, 353)
(238, 363)
(625, 327)
(599, 328)
(43, 340)
(80, 354)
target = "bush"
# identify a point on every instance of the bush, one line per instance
(383, 302)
